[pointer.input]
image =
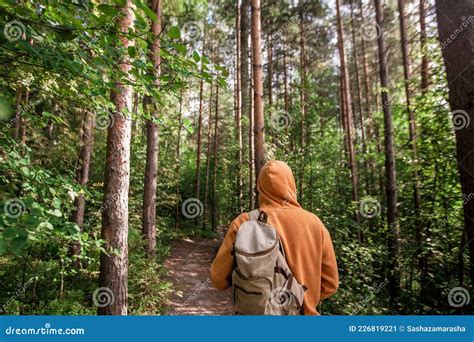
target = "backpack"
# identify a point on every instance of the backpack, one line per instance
(262, 282)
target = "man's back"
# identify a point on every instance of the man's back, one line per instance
(307, 243)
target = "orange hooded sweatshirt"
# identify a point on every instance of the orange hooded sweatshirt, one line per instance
(307, 243)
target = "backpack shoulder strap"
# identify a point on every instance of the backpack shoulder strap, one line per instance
(254, 214)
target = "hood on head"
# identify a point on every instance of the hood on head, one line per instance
(276, 185)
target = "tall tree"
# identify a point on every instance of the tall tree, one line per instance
(457, 56)
(208, 156)
(151, 164)
(347, 102)
(216, 151)
(238, 106)
(407, 74)
(302, 104)
(257, 68)
(199, 134)
(246, 85)
(82, 176)
(114, 263)
(178, 160)
(424, 54)
(391, 181)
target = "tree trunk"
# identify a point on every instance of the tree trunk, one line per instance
(246, 86)
(19, 111)
(390, 170)
(114, 263)
(457, 56)
(178, 161)
(270, 68)
(424, 54)
(359, 97)
(151, 164)
(23, 123)
(82, 178)
(216, 149)
(347, 109)
(407, 73)
(238, 109)
(303, 106)
(208, 158)
(257, 68)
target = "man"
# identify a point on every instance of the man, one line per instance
(307, 243)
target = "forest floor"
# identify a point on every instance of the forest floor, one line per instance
(188, 269)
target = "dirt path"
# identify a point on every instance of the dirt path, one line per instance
(188, 269)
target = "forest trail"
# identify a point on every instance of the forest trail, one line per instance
(188, 269)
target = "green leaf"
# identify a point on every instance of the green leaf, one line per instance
(132, 52)
(180, 48)
(148, 11)
(108, 10)
(3, 247)
(174, 32)
(196, 56)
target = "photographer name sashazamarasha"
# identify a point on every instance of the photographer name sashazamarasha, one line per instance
(421, 328)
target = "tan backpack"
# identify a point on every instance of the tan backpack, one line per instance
(262, 282)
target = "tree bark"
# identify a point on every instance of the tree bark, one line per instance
(82, 178)
(151, 164)
(114, 263)
(453, 14)
(246, 87)
(19, 111)
(208, 158)
(216, 149)
(424, 56)
(178, 160)
(390, 170)
(238, 109)
(347, 109)
(270, 67)
(257, 68)
(359, 97)
(303, 106)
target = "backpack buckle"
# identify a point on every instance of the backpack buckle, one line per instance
(262, 217)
